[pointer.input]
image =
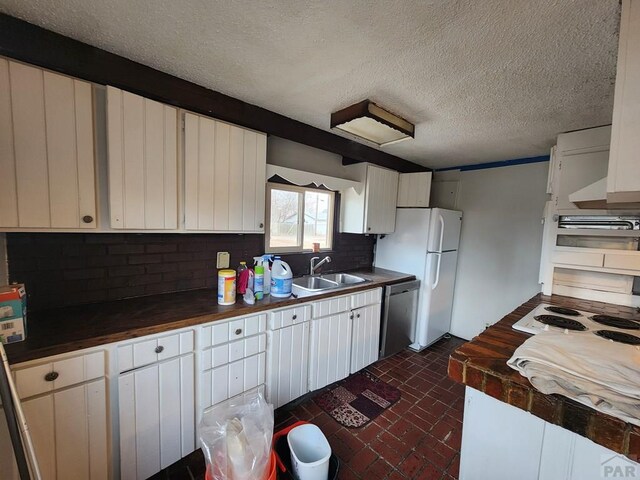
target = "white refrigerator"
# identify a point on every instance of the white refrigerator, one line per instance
(425, 244)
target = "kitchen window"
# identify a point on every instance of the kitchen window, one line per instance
(298, 217)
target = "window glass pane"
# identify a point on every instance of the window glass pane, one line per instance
(317, 208)
(283, 229)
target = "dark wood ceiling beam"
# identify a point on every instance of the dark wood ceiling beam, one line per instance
(35, 45)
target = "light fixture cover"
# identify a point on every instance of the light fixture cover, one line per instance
(373, 123)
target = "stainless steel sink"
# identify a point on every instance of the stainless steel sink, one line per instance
(344, 278)
(314, 285)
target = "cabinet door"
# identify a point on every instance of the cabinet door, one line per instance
(623, 179)
(569, 456)
(46, 149)
(226, 381)
(157, 424)
(380, 200)
(69, 432)
(225, 175)
(143, 162)
(499, 440)
(365, 340)
(287, 364)
(330, 352)
(81, 431)
(254, 178)
(414, 189)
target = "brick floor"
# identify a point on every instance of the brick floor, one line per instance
(417, 438)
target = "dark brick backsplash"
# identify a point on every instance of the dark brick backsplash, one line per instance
(62, 269)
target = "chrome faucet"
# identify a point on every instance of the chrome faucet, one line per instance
(314, 266)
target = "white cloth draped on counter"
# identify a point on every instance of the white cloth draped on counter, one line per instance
(596, 372)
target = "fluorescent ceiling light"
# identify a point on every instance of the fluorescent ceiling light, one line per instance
(373, 123)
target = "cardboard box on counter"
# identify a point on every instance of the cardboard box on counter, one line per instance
(13, 313)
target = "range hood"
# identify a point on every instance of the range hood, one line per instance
(594, 197)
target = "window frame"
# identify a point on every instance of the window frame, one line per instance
(299, 247)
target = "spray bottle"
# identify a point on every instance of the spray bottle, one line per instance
(258, 281)
(266, 259)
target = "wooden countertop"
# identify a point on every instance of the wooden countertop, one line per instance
(481, 364)
(73, 328)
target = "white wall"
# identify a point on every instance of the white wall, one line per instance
(501, 242)
(286, 153)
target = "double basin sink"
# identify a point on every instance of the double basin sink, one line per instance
(316, 284)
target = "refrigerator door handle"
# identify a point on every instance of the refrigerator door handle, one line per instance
(441, 219)
(437, 280)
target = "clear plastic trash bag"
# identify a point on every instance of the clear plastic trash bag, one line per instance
(236, 438)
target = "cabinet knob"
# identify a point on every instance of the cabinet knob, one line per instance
(261, 225)
(358, 315)
(159, 349)
(87, 219)
(368, 229)
(238, 331)
(351, 316)
(51, 376)
(294, 317)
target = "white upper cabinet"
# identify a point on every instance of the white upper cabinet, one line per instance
(142, 138)
(623, 180)
(580, 158)
(373, 208)
(414, 189)
(46, 149)
(225, 175)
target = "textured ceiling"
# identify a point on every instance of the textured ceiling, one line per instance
(483, 80)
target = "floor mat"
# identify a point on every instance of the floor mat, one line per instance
(357, 399)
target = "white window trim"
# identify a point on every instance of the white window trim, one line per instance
(299, 248)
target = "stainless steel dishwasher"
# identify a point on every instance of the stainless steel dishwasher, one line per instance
(400, 310)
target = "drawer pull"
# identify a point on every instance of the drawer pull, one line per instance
(238, 331)
(51, 376)
(87, 219)
(294, 317)
(159, 349)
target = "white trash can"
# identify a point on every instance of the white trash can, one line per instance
(310, 452)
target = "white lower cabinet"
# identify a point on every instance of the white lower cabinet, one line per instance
(330, 351)
(68, 423)
(504, 442)
(227, 381)
(347, 339)
(499, 440)
(69, 433)
(156, 412)
(288, 354)
(287, 364)
(232, 359)
(365, 341)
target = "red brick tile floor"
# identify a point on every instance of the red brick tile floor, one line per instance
(416, 438)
